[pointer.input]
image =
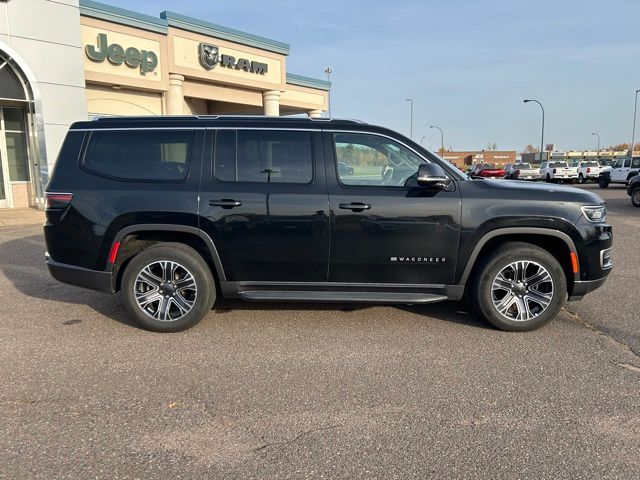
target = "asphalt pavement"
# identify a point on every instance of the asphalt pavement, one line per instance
(316, 391)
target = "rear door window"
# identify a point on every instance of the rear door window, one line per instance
(140, 155)
(263, 156)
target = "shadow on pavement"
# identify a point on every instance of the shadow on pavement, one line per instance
(22, 263)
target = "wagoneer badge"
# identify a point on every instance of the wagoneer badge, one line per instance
(418, 259)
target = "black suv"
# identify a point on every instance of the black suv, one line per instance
(175, 212)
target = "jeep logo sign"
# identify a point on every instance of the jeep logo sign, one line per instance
(209, 56)
(144, 60)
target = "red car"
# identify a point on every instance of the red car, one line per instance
(486, 170)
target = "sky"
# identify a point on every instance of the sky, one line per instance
(467, 64)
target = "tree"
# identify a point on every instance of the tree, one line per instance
(620, 147)
(530, 149)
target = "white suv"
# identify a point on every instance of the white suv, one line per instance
(620, 171)
(558, 171)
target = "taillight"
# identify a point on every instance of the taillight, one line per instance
(517, 173)
(588, 169)
(58, 200)
(554, 170)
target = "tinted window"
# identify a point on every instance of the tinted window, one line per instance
(267, 156)
(627, 163)
(635, 163)
(365, 159)
(141, 154)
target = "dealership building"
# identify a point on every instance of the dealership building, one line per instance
(68, 60)
(462, 159)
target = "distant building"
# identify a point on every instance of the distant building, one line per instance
(467, 158)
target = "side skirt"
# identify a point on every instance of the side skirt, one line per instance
(332, 292)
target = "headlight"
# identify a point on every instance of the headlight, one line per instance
(595, 214)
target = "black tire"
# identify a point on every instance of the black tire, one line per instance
(497, 261)
(635, 196)
(581, 179)
(548, 180)
(199, 296)
(603, 182)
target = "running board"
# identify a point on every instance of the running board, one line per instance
(339, 297)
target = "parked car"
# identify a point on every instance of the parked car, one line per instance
(633, 190)
(620, 171)
(589, 170)
(345, 169)
(486, 170)
(521, 171)
(176, 212)
(558, 172)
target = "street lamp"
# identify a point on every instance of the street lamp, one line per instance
(410, 100)
(328, 71)
(633, 134)
(597, 135)
(542, 136)
(441, 139)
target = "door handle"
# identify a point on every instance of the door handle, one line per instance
(225, 203)
(355, 206)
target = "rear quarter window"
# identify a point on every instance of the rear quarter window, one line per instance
(140, 155)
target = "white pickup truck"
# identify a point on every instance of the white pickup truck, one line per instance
(558, 172)
(620, 171)
(587, 170)
(521, 171)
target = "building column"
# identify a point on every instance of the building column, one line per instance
(175, 96)
(271, 103)
(314, 113)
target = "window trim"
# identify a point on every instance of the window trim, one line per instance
(87, 142)
(245, 182)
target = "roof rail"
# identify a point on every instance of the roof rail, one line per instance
(221, 117)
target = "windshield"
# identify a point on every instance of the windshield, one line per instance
(558, 164)
(590, 164)
(489, 166)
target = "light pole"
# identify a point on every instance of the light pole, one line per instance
(410, 100)
(328, 71)
(597, 135)
(542, 136)
(441, 139)
(633, 134)
(422, 139)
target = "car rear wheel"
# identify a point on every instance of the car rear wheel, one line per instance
(548, 178)
(168, 287)
(581, 178)
(519, 287)
(635, 197)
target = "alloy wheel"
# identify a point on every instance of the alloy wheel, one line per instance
(522, 290)
(165, 290)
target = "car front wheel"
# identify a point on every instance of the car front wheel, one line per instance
(519, 287)
(603, 182)
(635, 197)
(168, 287)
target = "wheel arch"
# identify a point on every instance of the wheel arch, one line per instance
(134, 238)
(558, 243)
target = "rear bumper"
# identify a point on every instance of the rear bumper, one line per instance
(78, 276)
(581, 288)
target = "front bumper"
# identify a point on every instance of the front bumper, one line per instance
(581, 288)
(79, 276)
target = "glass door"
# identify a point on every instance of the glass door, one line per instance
(4, 185)
(14, 155)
